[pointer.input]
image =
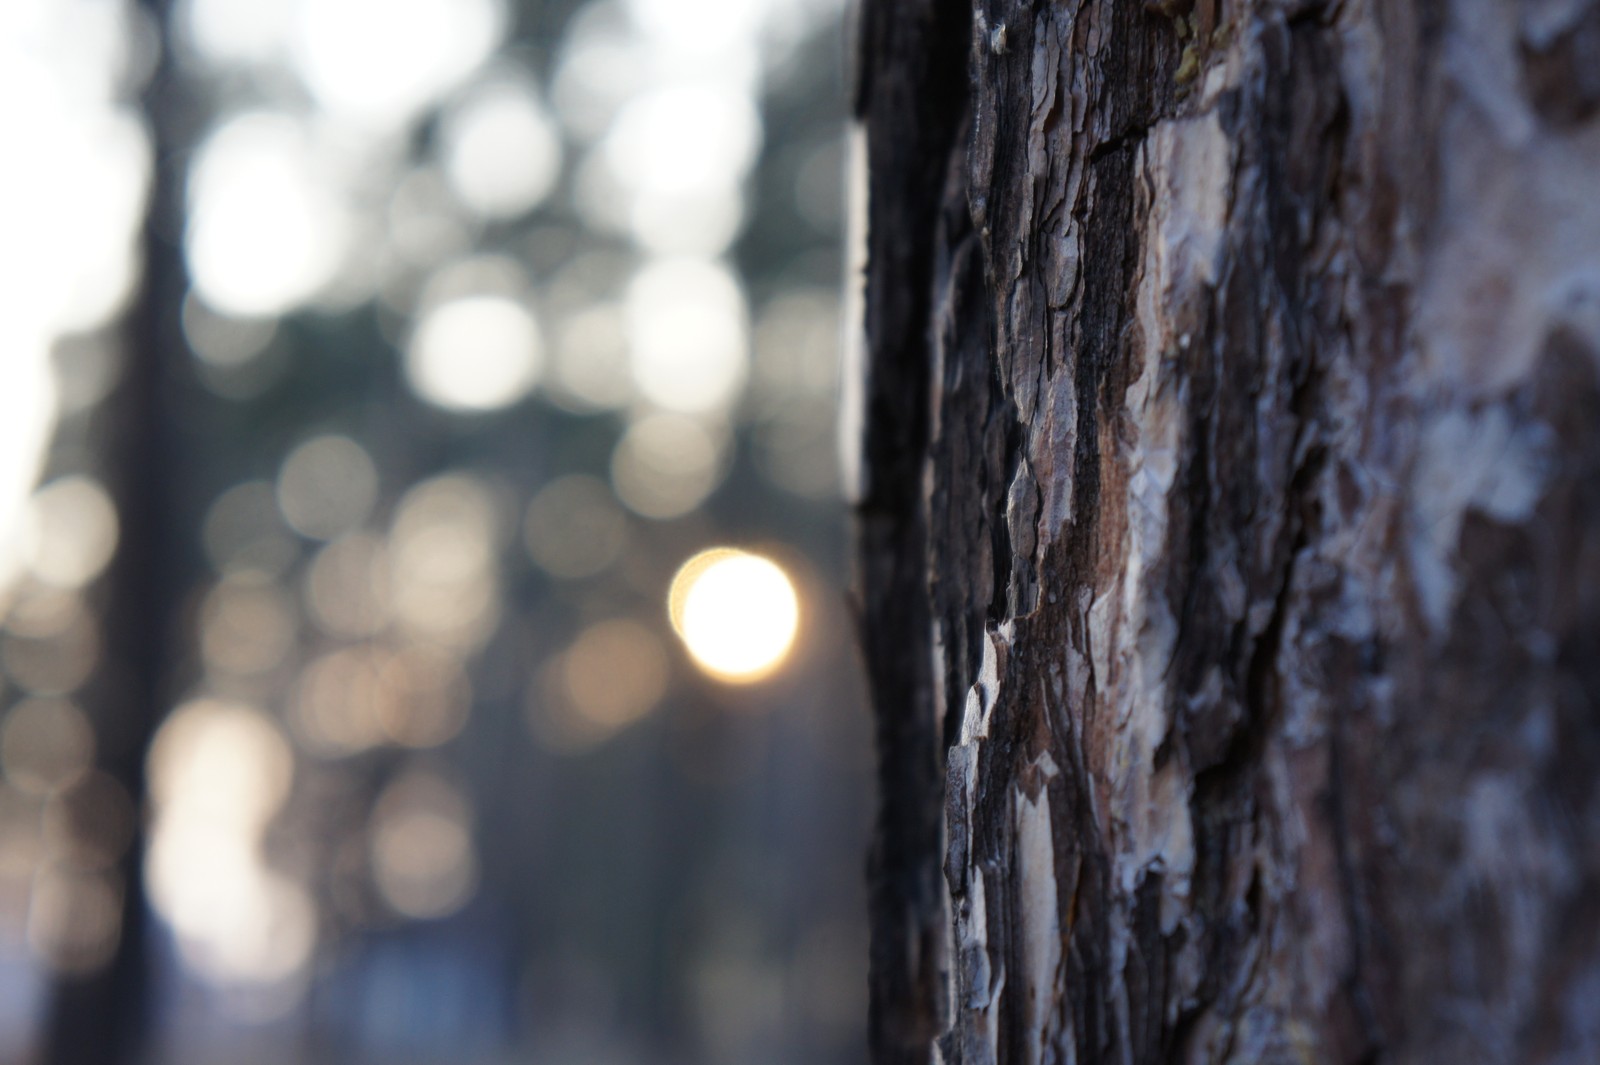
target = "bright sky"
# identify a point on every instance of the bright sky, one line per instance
(71, 196)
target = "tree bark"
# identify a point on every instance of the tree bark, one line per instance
(1229, 538)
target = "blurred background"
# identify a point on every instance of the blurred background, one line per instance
(420, 537)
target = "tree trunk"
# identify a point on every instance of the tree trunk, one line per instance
(104, 1017)
(1230, 529)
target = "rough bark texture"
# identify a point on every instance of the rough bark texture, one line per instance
(1230, 531)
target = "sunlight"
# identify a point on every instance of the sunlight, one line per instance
(703, 221)
(683, 138)
(736, 612)
(327, 486)
(589, 371)
(666, 465)
(27, 414)
(70, 204)
(334, 709)
(346, 589)
(614, 673)
(71, 199)
(502, 153)
(425, 696)
(423, 860)
(236, 31)
(247, 626)
(611, 677)
(383, 61)
(71, 532)
(477, 353)
(686, 334)
(266, 231)
(221, 763)
(600, 67)
(704, 28)
(443, 571)
(237, 922)
(219, 772)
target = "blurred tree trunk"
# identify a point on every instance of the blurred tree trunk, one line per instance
(104, 1017)
(1230, 529)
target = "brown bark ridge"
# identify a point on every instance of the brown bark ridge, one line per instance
(1229, 541)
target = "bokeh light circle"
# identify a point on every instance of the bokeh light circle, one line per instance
(736, 612)
(476, 353)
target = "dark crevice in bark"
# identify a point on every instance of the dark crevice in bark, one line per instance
(1561, 69)
(1354, 982)
(912, 98)
(1126, 140)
